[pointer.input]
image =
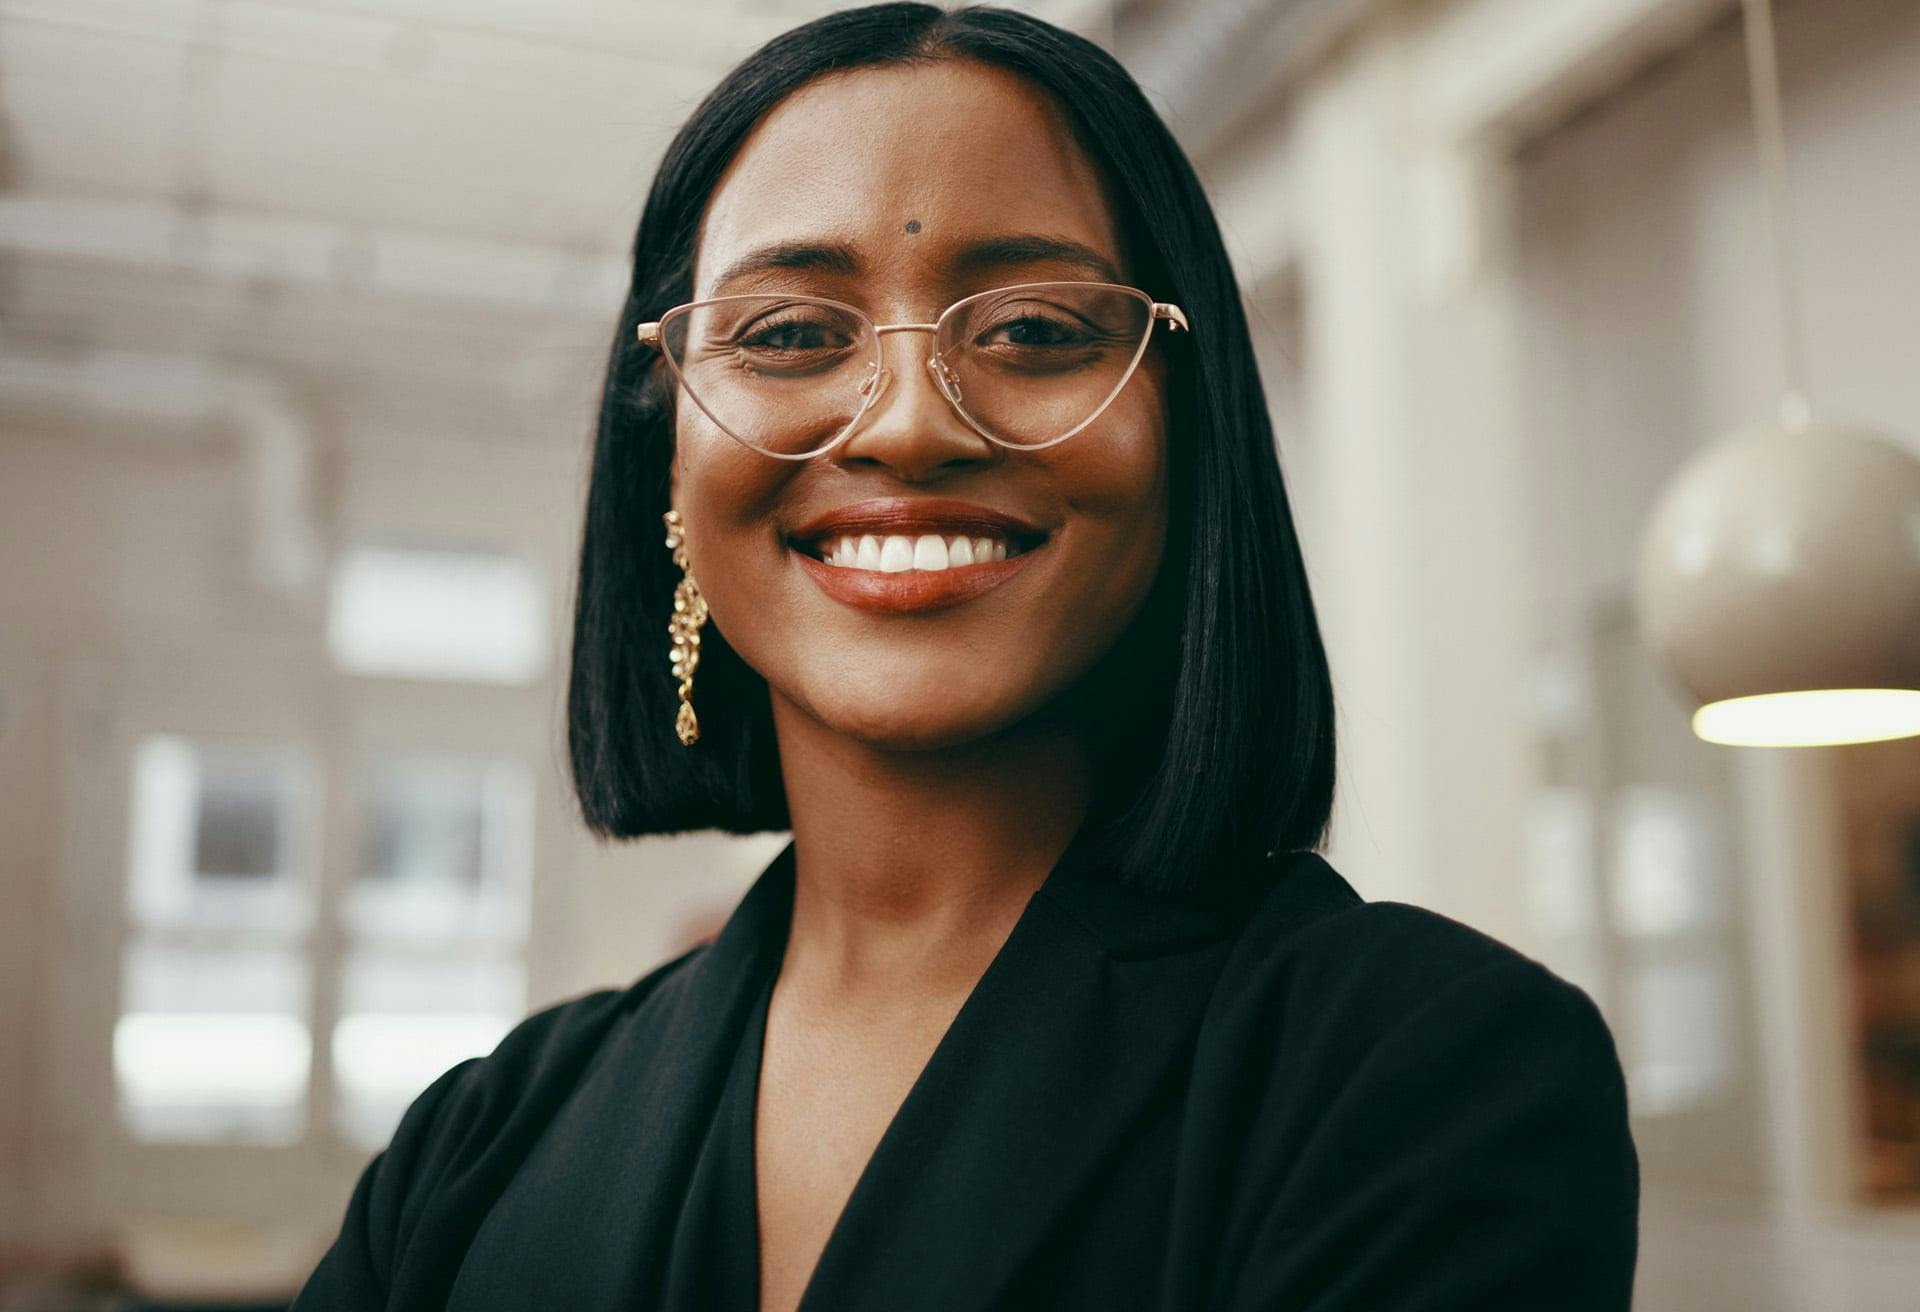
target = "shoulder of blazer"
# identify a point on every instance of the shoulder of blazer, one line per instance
(421, 1199)
(1312, 945)
(1411, 1109)
(503, 1096)
(1308, 906)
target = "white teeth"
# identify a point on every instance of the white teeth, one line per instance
(896, 553)
(929, 552)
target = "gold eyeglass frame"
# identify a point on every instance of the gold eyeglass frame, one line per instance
(875, 384)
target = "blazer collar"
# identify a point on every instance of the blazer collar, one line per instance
(1075, 1024)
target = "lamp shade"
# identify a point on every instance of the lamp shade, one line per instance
(1779, 582)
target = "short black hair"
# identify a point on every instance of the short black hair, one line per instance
(1223, 748)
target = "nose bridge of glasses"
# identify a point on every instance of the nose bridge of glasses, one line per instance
(945, 381)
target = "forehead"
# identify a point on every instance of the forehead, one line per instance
(966, 152)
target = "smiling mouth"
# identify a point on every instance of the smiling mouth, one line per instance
(900, 553)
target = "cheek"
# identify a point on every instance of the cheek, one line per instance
(1114, 477)
(728, 496)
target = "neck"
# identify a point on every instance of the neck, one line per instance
(911, 867)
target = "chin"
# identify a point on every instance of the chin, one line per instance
(932, 714)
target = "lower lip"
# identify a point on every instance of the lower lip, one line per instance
(911, 590)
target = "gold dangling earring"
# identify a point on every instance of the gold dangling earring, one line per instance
(689, 613)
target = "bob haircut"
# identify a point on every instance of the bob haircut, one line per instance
(1224, 753)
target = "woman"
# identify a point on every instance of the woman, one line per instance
(981, 579)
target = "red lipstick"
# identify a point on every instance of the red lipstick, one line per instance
(910, 590)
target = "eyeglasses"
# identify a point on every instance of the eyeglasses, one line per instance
(1025, 366)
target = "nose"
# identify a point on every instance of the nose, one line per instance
(910, 426)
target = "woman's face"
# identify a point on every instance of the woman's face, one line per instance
(900, 190)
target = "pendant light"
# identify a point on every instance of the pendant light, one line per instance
(1779, 574)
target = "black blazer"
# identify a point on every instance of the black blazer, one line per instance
(1290, 1099)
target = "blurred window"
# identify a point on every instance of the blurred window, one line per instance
(212, 1045)
(216, 829)
(420, 613)
(1667, 891)
(1629, 867)
(406, 1019)
(212, 1042)
(446, 849)
(436, 926)
(1667, 864)
(1679, 1057)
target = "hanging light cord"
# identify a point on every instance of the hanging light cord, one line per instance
(1763, 76)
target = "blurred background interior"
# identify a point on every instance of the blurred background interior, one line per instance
(305, 307)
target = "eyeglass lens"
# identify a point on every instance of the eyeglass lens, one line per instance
(1027, 365)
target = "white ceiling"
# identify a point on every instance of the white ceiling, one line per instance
(487, 150)
(534, 122)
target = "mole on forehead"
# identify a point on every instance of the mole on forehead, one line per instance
(913, 225)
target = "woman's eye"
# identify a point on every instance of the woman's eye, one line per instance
(793, 336)
(1033, 330)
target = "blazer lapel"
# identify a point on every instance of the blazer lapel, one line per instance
(1051, 1060)
(596, 1208)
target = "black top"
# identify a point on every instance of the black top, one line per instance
(716, 1245)
(1286, 1098)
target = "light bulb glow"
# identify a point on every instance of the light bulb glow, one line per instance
(1814, 718)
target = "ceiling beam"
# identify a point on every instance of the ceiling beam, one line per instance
(291, 251)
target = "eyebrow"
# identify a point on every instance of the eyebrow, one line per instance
(999, 252)
(801, 256)
(977, 257)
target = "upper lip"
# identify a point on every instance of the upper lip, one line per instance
(910, 514)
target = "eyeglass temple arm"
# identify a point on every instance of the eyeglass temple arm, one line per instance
(648, 333)
(1175, 316)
